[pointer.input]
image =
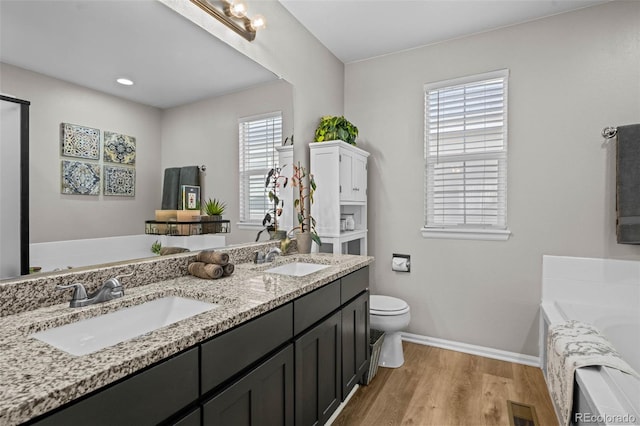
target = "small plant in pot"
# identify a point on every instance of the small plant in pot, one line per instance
(213, 208)
(273, 182)
(333, 128)
(306, 186)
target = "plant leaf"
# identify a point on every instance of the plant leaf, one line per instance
(316, 238)
(271, 172)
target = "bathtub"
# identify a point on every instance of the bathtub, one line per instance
(603, 392)
(606, 294)
(92, 251)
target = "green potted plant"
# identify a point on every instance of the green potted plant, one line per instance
(156, 247)
(333, 128)
(213, 209)
(306, 223)
(273, 182)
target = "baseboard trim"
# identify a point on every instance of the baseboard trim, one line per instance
(336, 413)
(517, 358)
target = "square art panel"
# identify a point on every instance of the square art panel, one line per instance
(79, 141)
(80, 178)
(119, 148)
(119, 181)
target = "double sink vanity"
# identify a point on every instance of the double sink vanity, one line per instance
(279, 343)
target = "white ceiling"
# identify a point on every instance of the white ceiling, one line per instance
(173, 61)
(91, 43)
(359, 29)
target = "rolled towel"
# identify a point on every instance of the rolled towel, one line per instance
(172, 250)
(213, 270)
(197, 270)
(205, 270)
(210, 256)
(228, 269)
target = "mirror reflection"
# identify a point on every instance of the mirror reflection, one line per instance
(190, 91)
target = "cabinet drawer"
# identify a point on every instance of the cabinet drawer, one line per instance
(228, 354)
(144, 399)
(354, 284)
(312, 307)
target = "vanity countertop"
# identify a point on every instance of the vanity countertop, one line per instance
(36, 378)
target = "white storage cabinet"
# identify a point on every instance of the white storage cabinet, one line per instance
(340, 172)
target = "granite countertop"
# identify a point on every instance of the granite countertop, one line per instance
(36, 377)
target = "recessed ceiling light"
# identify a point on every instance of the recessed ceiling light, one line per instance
(125, 81)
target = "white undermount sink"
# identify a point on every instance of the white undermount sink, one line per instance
(297, 269)
(92, 334)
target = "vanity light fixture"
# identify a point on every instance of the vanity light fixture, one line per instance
(233, 13)
(124, 81)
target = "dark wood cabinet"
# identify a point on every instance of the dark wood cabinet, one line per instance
(147, 398)
(235, 350)
(355, 342)
(191, 419)
(353, 284)
(264, 396)
(312, 307)
(317, 357)
(291, 365)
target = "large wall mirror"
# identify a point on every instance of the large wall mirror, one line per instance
(190, 89)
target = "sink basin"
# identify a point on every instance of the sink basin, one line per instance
(297, 269)
(92, 334)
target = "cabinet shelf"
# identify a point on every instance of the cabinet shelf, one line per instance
(184, 228)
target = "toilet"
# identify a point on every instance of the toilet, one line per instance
(391, 315)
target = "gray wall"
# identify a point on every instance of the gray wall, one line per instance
(571, 75)
(54, 216)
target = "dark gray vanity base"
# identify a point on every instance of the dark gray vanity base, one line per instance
(291, 365)
(145, 398)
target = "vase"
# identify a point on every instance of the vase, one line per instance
(304, 242)
(278, 235)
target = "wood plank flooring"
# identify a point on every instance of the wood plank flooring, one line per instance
(438, 387)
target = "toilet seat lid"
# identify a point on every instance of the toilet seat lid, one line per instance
(387, 304)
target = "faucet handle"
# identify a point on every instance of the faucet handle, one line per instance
(258, 257)
(79, 292)
(112, 283)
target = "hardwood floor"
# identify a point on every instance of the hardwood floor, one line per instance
(438, 387)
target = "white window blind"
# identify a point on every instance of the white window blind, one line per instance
(466, 152)
(258, 135)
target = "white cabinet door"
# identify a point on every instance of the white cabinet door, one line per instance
(353, 177)
(346, 176)
(359, 178)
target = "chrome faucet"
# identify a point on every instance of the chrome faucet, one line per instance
(272, 253)
(259, 257)
(111, 289)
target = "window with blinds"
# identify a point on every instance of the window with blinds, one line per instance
(259, 135)
(466, 153)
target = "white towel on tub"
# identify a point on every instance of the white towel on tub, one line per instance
(571, 345)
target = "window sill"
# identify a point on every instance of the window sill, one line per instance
(467, 234)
